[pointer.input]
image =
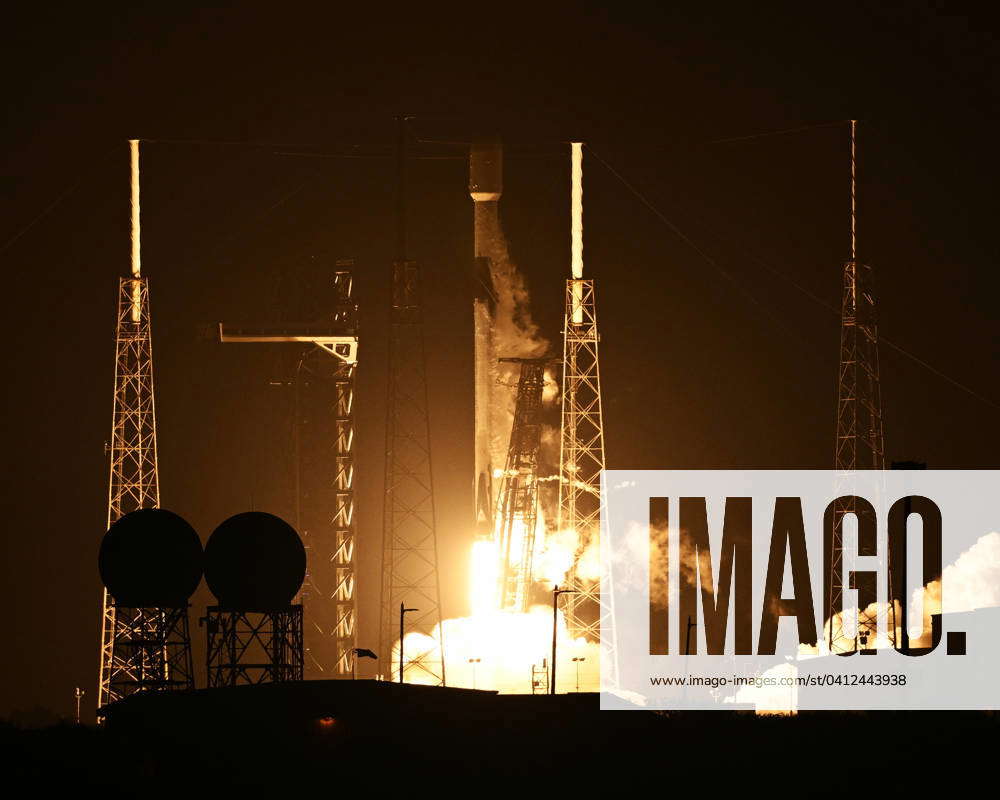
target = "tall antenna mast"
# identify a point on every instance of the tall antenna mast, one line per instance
(854, 192)
(133, 145)
(860, 443)
(134, 475)
(576, 228)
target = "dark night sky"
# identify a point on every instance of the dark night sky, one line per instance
(721, 364)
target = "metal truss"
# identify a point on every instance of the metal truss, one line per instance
(152, 651)
(251, 647)
(581, 456)
(344, 601)
(517, 504)
(860, 442)
(134, 480)
(324, 443)
(409, 536)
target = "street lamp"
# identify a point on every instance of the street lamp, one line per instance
(578, 660)
(79, 693)
(474, 661)
(402, 614)
(556, 591)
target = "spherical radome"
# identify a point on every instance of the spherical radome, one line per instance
(254, 561)
(151, 558)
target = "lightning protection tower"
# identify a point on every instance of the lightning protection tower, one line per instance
(581, 456)
(409, 535)
(517, 504)
(859, 434)
(134, 478)
(581, 453)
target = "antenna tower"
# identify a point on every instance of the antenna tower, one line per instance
(517, 504)
(860, 443)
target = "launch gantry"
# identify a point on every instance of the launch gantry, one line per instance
(517, 503)
(324, 384)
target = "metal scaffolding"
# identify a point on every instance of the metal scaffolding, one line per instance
(134, 480)
(251, 647)
(409, 536)
(517, 504)
(860, 443)
(152, 651)
(324, 444)
(581, 456)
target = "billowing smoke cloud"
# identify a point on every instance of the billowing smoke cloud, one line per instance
(973, 582)
(515, 333)
(507, 646)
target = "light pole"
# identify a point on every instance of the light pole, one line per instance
(577, 660)
(556, 591)
(402, 614)
(474, 661)
(79, 693)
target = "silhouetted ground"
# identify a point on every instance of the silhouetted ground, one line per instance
(382, 736)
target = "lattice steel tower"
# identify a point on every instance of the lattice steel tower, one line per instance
(517, 504)
(409, 535)
(860, 444)
(134, 479)
(324, 444)
(581, 456)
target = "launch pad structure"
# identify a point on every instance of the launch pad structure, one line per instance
(517, 502)
(409, 524)
(409, 533)
(324, 433)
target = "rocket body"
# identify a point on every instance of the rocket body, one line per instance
(485, 187)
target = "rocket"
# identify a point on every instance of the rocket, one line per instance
(485, 187)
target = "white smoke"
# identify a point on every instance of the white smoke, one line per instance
(973, 581)
(498, 650)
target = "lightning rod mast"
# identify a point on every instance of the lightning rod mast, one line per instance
(134, 476)
(860, 439)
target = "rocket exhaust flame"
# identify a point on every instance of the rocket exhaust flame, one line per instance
(508, 644)
(505, 645)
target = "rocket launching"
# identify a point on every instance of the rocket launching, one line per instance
(485, 187)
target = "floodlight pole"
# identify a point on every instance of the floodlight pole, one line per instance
(556, 591)
(402, 615)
